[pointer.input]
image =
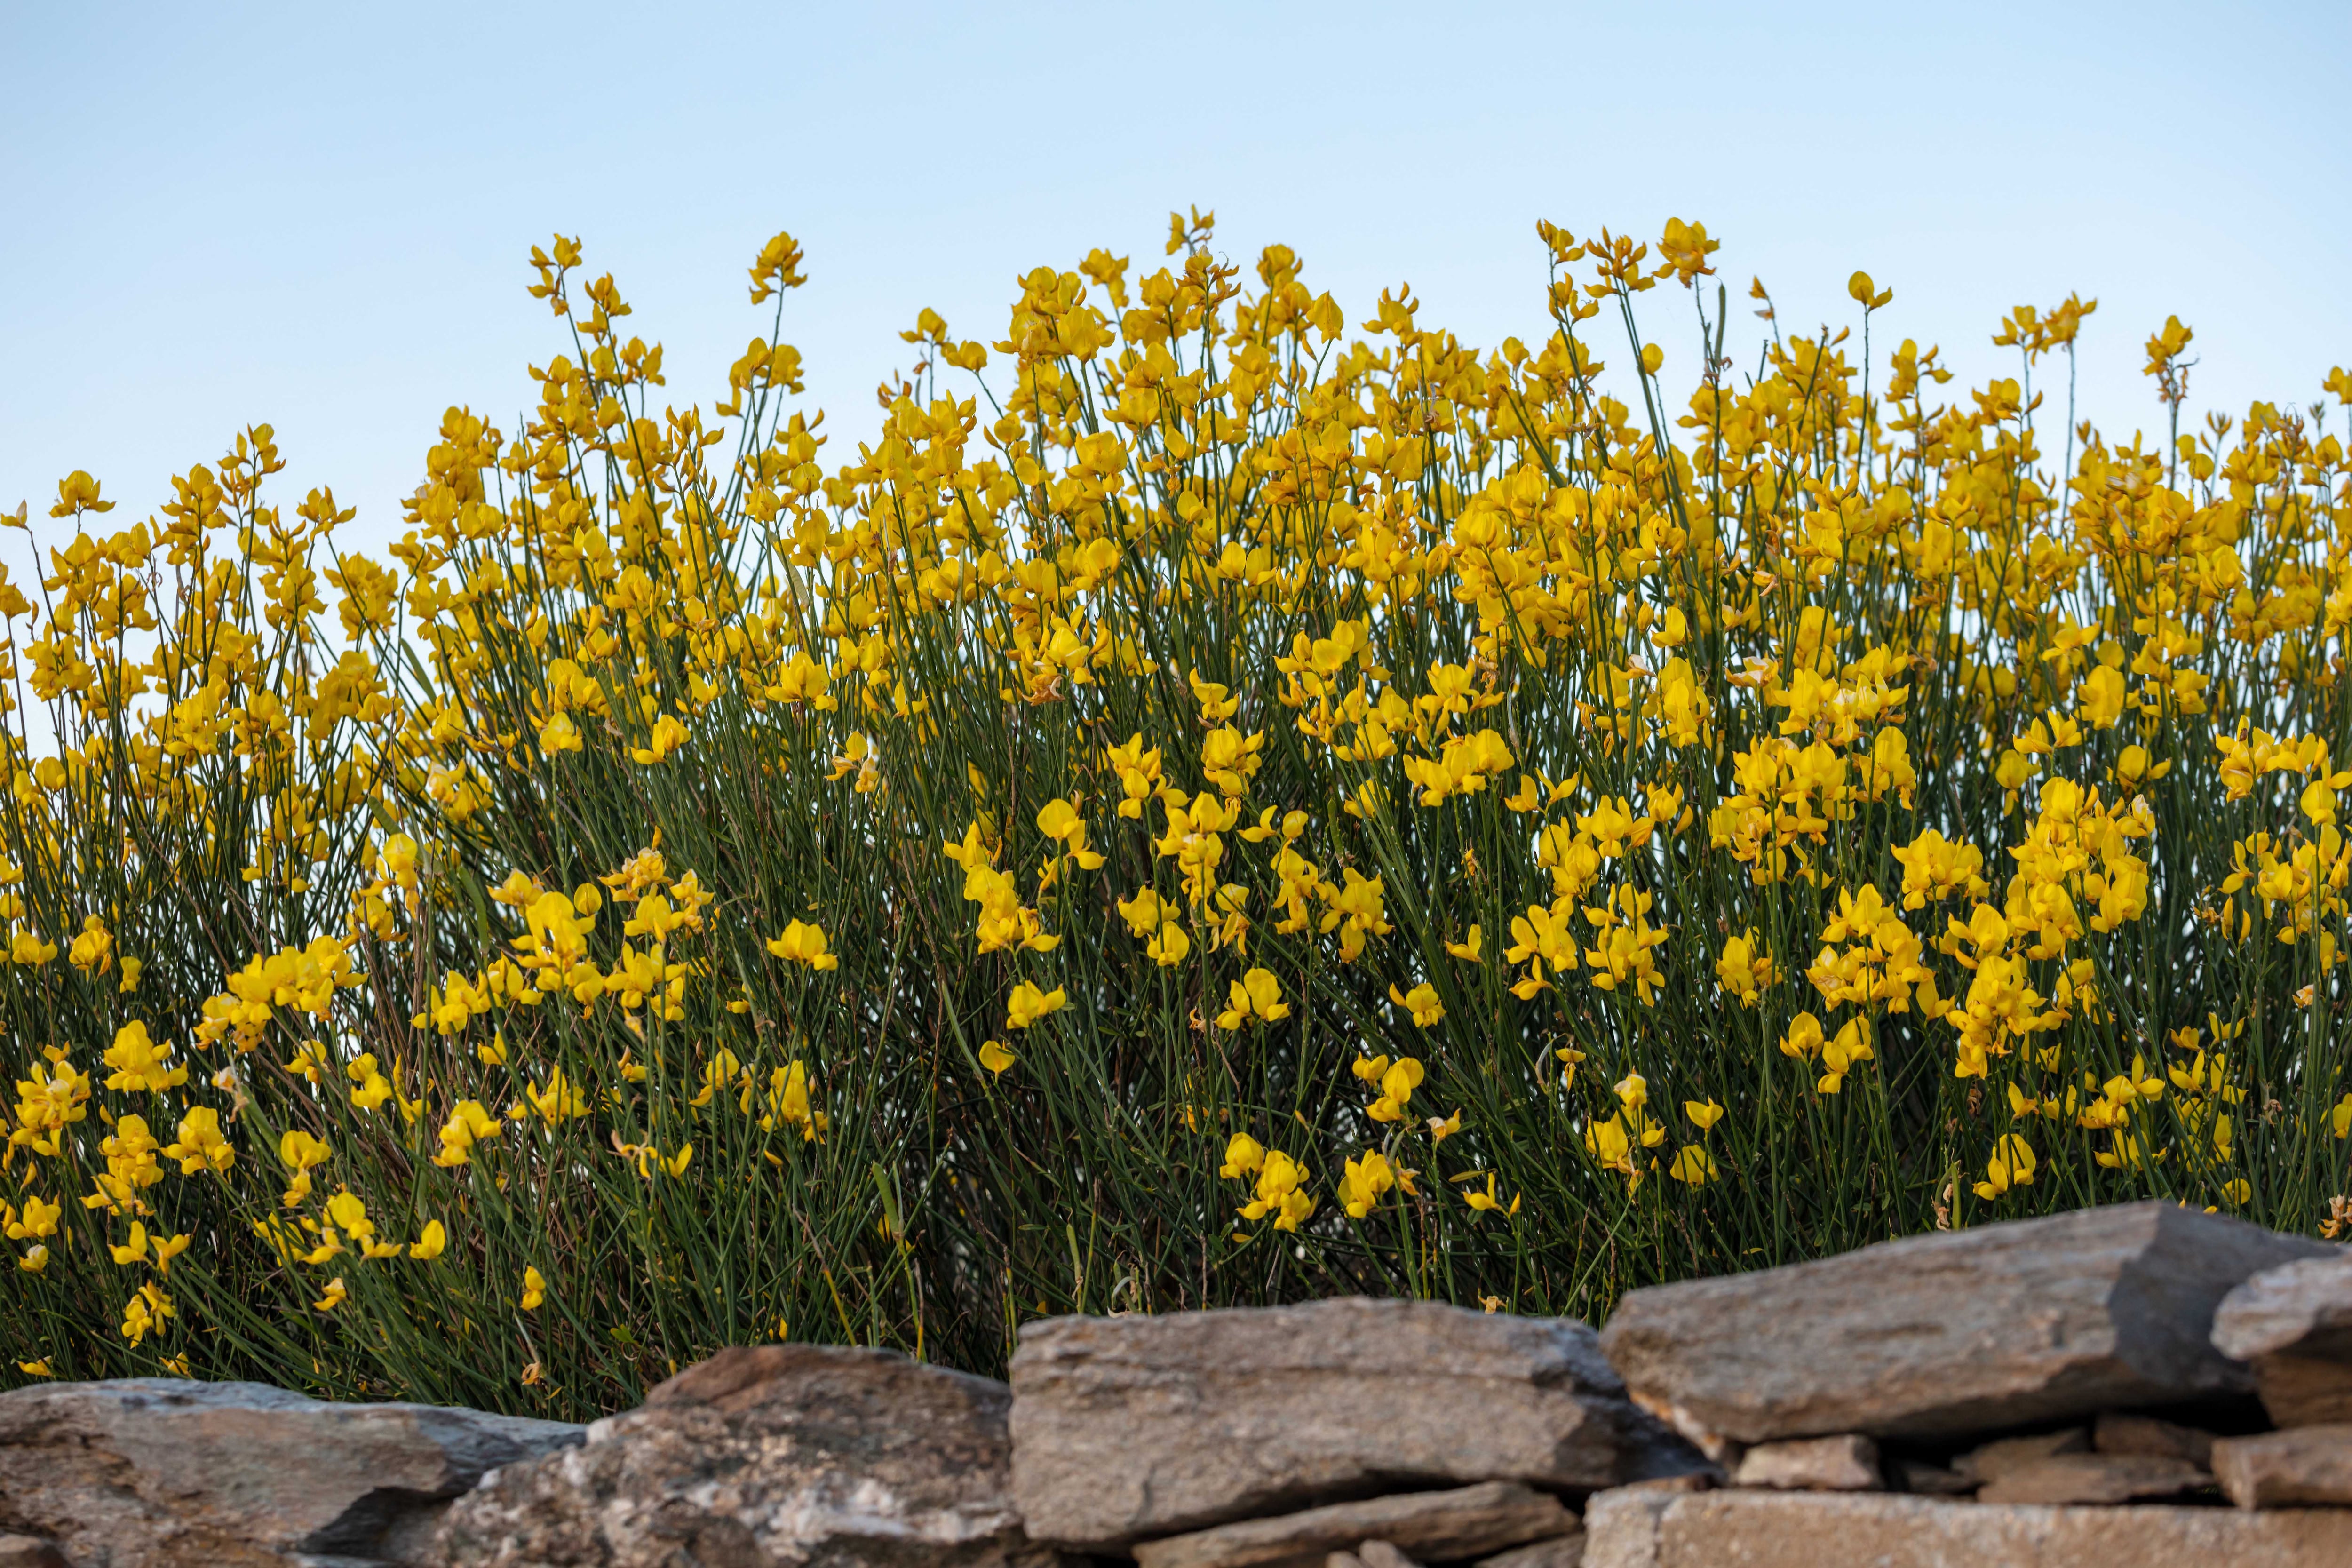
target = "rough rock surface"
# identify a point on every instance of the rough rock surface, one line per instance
(2295, 1325)
(28, 1552)
(1961, 1331)
(761, 1459)
(1131, 1428)
(2283, 1469)
(1833, 1530)
(1842, 1464)
(2096, 1479)
(2120, 1432)
(166, 1473)
(1560, 1552)
(1434, 1527)
(1991, 1461)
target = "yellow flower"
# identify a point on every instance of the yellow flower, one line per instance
(2011, 1165)
(1467, 951)
(1693, 1165)
(1279, 1192)
(39, 1219)
(558, 734)
(804, 945)
(1420, 1002)
(336, 1294)
(995, 1058)
(134, 1250)
(145, 1313)
(1397, 1084)
(201, 1145)
(1028, 1004)
(429, 1243)
(1244, 1156)
(1484, 1202)
(1363, 1182)
(534, 1290)
(36, 1368)
(1256, 996)
(1703, 1113)
(140, 1063)
(468, 1125)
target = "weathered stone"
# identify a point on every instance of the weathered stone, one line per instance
(1343, 1560)
(2281, 1469)
(1932, 1480)
(29, 1552)
(1833, 1530)
(1129, 1427)
(166, 1473)
(766, 1457)
(1846, 1462)
(2120, 1432)
(1621, 1526)
(1952, 1333)
(1383, 1555)
(2096, 1479)
(1560, 1552)
(1991, 1461)
(1441, 1526)
(2293, 1323)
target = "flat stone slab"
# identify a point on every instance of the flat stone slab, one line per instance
(1847, 1463)
(1991, 1461)
(2122, 1432)
(1951, 1334)
(2293, 1323)
(777, 1455)
(1430, 1527)
(2096, 1479)
(1126, 1428)
(166, 1471)
(1834, 1530)
(2303, 1465)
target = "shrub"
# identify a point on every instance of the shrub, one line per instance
(1205, 809)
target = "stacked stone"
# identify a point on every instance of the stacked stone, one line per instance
(1362, 1434)
(2069, 1392)
(2044, 1373)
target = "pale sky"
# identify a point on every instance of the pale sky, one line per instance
(319, 217)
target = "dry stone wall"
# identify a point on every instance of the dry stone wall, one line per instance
(2141, 1384)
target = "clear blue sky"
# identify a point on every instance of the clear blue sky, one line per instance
(318, 217)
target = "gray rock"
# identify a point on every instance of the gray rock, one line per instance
(1953, 1334)
(162, 1472)
(1560, 1552)
(1845, 1463)
(2301, 1465)
(1861, 1530)
(1385, 1554)
(29, 1552)
(1131, 1428)
(2094, 1479)
(2121, 1432)
(1991, 1461)
(766, 1457)
(1439, 1527)
(2293, 1323)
